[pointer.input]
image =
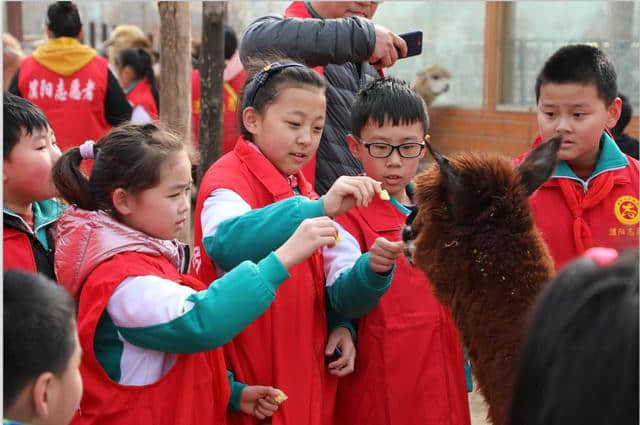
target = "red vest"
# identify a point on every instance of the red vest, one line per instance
(409, 368)
(611, 221)
(284, 347)
(17, 252)
(74, 105)
(231, 99)
(142, 95)
(195, 391)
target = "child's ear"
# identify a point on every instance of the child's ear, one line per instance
(354, 145)
(614, 110)
(41, 391)
(426, 139)
(251, 120)
(121, 200)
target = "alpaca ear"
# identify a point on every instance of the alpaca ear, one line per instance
(452, 180)
(539, 165)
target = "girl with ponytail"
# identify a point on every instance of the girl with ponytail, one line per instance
(135, 72)
(150, 334)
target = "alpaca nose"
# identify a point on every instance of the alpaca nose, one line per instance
(446, 88)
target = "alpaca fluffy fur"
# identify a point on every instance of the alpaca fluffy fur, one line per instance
(432, 82)
(476, 241)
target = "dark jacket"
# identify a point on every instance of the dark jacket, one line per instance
(342, 47)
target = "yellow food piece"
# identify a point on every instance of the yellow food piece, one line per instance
(281, 397)
(384, 195)
(338, 237)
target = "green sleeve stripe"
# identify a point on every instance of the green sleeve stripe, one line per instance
(357, 291)
(218, 314)
(254, 234)
(107, 347)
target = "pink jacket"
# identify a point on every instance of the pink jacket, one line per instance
(84, 239)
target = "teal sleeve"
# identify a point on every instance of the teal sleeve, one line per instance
(218, 313)
(236, 391)
(335, 320)
(254, 234)
(357, 290)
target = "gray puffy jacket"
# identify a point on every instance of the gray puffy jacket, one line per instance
(342, 46)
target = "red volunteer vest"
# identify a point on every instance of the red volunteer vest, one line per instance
(611, 221)
(284, 347)
(409, 368)
(74, 105)
(195, 391)
(143, 96)
(17, 252)
(230, 103)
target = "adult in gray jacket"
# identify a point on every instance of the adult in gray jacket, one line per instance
(340, 41)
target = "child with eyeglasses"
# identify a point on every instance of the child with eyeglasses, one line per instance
(409, 335)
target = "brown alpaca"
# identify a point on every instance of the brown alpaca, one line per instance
(476, 241)
(432, 82)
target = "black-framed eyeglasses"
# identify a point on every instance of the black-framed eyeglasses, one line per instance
(384, 150)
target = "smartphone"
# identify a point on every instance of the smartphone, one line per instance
(414, 43)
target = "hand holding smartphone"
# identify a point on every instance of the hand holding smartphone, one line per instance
(414, 43)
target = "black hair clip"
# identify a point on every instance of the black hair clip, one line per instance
(261, 78)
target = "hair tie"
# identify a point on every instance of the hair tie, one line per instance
(601, 256)
(261, 78)
(87, 150)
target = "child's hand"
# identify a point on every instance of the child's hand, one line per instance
(383, 254)
(258, 401)
(310, 235)
(348, 192)
(341, 338)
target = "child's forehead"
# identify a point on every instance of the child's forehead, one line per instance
(36, 133)
(393, 127)
(570, 94)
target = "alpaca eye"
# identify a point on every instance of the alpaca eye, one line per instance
(436, 77)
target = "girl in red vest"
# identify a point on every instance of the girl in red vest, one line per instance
(138, 81)
(248, 204)
(148, 332)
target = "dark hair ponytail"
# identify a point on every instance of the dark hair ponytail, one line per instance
(128, 157)
(70, 181)
(140, 61)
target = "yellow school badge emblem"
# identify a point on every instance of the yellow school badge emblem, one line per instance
(627, 210)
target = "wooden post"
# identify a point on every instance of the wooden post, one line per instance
(14, 19)
(492, 54)
(175, 74)
(214, 14)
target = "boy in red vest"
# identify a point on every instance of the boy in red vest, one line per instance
(42, 383)
(592, 197)
(28, 207)
(70, 82)
(409, 334)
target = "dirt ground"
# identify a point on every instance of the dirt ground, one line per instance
(477, 407)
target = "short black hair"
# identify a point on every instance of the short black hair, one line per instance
(625, 116)
(39, 332)
(63, 19)
(579, 363)
(388, 99)
(580, 64)
(19, 115)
